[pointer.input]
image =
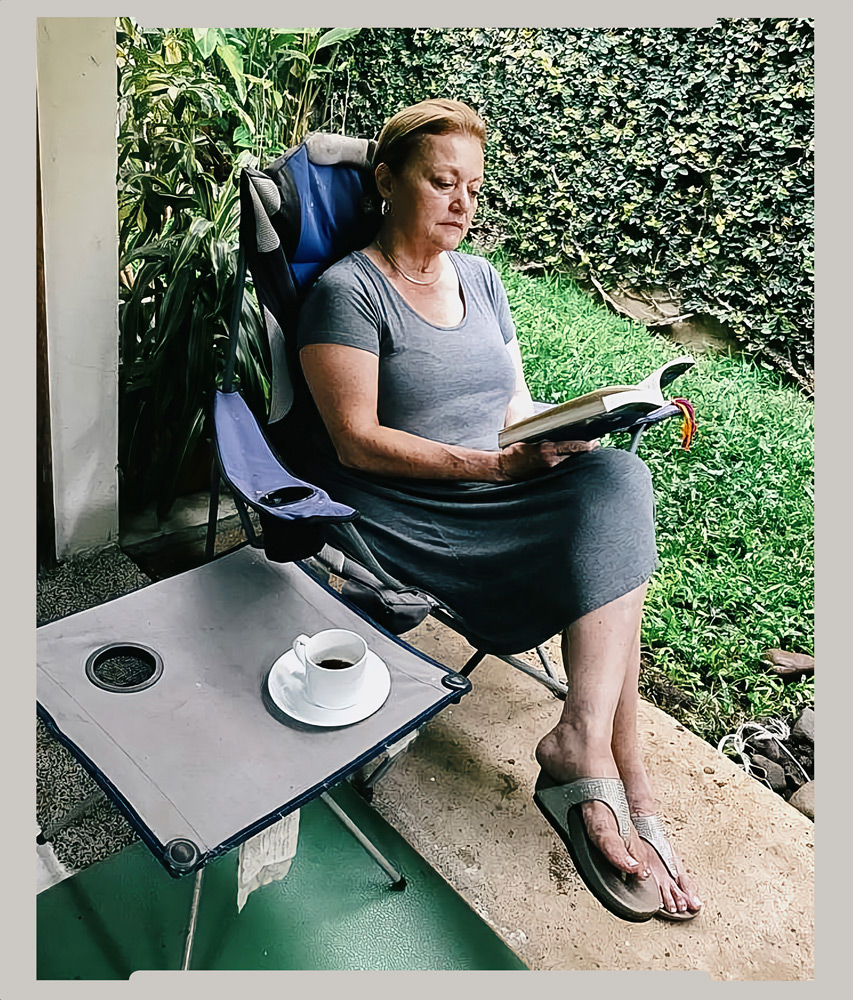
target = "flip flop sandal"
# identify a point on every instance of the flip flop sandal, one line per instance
(626, 896)
(652, 830)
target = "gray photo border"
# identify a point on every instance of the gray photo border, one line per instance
(17, 28)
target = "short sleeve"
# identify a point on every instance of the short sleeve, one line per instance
(340, 310)
(501, 303)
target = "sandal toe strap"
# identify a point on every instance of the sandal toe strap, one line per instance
(651, 829)
(610, 791)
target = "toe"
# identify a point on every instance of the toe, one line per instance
(635, 849)
(667, 898)
(694, 902)
(679, 899)
(601, 827)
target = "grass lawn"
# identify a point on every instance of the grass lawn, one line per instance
(734, 513)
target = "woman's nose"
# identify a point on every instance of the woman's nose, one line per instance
(463, 201)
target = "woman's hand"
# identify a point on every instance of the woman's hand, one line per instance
(523, 461)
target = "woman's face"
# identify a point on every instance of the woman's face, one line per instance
(434, 197)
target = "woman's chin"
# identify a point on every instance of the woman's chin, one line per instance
(452, 238)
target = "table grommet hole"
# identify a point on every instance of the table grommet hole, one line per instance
(124, 667)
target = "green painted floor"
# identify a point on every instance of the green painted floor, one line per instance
(334, 910)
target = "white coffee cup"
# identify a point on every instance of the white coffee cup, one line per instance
(328, 684)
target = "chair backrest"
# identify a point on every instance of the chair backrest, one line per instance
(298, 216)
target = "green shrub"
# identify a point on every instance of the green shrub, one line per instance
(638, 156)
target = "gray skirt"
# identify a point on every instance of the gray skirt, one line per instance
(518, 561)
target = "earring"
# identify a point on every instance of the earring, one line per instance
(386, 207)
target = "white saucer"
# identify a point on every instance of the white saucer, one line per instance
(285, 683)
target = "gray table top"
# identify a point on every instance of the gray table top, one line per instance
(203, 754)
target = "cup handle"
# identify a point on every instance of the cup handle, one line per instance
(299, 648)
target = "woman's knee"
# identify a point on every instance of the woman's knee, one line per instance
(622, 470)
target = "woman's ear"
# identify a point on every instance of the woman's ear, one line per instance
(384, 180)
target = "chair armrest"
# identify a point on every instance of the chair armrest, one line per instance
(251, 468)
(656, 416)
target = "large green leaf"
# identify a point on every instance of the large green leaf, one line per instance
(282, 39)
(294, 54)
(207, 39)
(234, 62)
(336, 36)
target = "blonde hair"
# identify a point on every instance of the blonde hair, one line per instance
(404, 130)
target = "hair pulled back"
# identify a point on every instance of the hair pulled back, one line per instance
(403, 132)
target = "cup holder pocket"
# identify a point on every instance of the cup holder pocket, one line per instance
(124, 667)
(287, 495)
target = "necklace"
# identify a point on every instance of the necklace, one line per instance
(393, 262)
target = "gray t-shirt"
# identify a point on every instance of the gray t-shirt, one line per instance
(448, 384)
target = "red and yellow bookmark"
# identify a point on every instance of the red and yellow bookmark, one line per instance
(688, 426)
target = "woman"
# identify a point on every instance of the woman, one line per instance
(409, 351)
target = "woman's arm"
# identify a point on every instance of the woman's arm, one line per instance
(344, 383)
(521, 404)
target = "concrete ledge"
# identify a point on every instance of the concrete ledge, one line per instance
(462, 795)
(187, 522)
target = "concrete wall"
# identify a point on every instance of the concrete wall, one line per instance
(77, 129)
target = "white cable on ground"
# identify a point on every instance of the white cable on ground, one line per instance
(775, 729)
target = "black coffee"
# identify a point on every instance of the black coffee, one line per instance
(332, 664)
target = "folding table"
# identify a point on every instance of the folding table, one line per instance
(197, 755)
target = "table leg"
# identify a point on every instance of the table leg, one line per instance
(188, 944)
(397, 878)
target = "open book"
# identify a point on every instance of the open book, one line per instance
(611, 408)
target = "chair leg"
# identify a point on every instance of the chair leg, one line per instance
(363, 781)
(472, 662)
(212, 512)
(363, 784)
(557, 687)
(188, 943)
(398, 881)
(546, 662)
(246, 521)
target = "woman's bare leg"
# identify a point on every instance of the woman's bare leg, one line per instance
(596, 651)
(675, 896)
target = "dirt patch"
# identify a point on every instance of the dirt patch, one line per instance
(562, 872)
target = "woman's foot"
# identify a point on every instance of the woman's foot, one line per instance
(677, 896)
(566, 755)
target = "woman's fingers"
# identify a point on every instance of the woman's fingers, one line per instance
(556, 452)
(569, 447)
(520, 461)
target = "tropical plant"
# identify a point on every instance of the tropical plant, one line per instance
(187, 99)
(174, 335)
(282, 79)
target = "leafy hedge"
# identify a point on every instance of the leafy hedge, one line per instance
(638, 157)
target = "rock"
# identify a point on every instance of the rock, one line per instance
(770, 749)
(794, 661)
(793, 775)
(803, 731)
(803, 799)
(774, 773)
(790, 666)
